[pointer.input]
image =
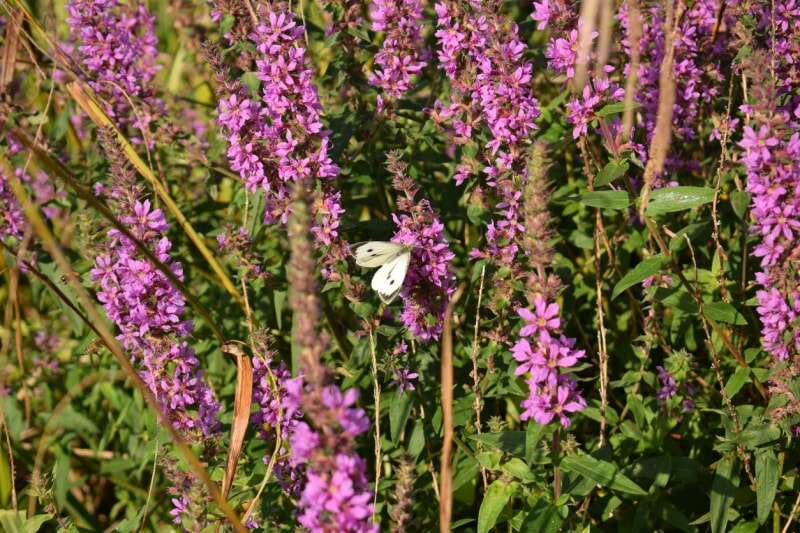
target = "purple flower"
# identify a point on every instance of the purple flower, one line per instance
(757, 144)
(544, 317)
(491, 88)
(553, 399)
(338, 500)
(335, 495)
(668, 387)
(547, 358)
(402, 53)
(275, 394)
(116, 47)
(276, 138)
(12, 221)
(404, 380)
(180, 505)
(429, 283)
(148, 310)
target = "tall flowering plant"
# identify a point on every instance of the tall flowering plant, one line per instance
(770, 151)
(429, 284)
(599, 320)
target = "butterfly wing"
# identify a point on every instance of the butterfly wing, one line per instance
(389, 278)
(376, 253)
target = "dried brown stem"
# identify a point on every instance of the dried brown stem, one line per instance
(634, 36)
(445, 472)
(662, 136)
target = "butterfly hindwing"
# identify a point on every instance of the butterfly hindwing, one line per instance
(389, 278)
(376, 253)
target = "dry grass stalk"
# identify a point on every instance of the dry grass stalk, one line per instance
(588, 19)
(634, 36)
(606, 32)
(9, 57)
(445, 472)
(662, 135)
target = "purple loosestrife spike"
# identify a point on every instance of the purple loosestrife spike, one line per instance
(402, 53)
(699, 70)
(115, 45)
(770, 153)
(335, 494)
(276, 137)
(12, 221)
(543, 353)
(491, 87)
(429, 284)
(274, 392)
(147, 309)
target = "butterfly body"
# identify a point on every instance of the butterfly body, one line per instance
(392, 261)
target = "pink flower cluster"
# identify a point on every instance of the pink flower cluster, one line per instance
(277, 138)
(12, 221)
(116, 48)
(276, 394)
(402, 53)
(562, 57)
(147, 309)
(429, 284)
(546, 360)
(698, 68)
(336, 494)
(482, 54)
(491, 86)
(772, 158)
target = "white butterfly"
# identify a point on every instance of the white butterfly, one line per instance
(393, 260)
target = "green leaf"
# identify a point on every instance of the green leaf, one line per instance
(255, 216)
(745, 527)
(612, 171)
(601, 472)
(671, 199)
(497, 496)
(723, 489)
(51, 271)
(475, 214)
(740, 200)
(512, 442)
(645, 269)
(543, 518)
(16, 522)
(61, 482)
(398, 415)
(724, 312)
(251, 81)
(767, 477)
(75, 421)
(605, 199)
(5, 477)
(698, 232)
(517, 468)
(533, 435)
(737, 381)
(279, 300)
(611, 109)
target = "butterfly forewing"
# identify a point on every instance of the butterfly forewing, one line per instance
(376, 253)
(388, 280)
